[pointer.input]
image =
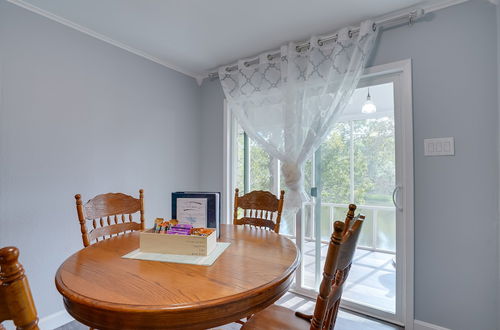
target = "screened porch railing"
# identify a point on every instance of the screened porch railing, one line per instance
(374, 230)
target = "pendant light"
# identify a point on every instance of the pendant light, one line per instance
(368, 107)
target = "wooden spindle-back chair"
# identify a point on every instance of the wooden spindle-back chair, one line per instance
(16, 302)
(260, 209)
(337, 264)
(110, 214)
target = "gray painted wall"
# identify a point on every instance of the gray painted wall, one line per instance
(212, 133)
(78, 115)
(456, 198)
(454, 57)
(498, 140)
(81, 116)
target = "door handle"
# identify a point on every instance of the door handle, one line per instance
(394, 197)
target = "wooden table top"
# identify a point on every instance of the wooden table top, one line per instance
(100, 287)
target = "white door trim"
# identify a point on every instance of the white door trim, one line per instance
(228, 165)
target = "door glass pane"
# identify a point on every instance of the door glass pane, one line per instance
(260, 168)
(367, 231)
(386, 231)
(335, 166)
(374, 161)
(308, 218)
(372, 279)
(239, 175)
(358, 166)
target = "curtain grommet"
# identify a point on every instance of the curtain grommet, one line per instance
(320, 42)
(411, 18)
(270, 57)
(374, 27)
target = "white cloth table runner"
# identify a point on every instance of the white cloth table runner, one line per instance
(180, 259)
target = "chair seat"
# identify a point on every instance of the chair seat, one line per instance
(276, 317)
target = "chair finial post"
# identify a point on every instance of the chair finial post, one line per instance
(141, 198)
(349, 217)
(81, 219)
(10, 268)
(280, 210)
(235, 213)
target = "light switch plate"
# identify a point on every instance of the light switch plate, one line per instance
(439, 147)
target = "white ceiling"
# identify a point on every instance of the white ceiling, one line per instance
(195, 36)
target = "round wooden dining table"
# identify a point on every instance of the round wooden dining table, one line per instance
(105, 291)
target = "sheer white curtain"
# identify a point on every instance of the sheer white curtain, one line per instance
(289, 103)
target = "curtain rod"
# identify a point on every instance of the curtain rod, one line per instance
(411, 17)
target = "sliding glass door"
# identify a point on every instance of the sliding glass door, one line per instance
(361, 162)
(357, 164)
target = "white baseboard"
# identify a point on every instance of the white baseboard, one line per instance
(60, 318)
(421, 325)
(55, 320)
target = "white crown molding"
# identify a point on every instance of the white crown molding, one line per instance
(199, 79)
(428, 7)
(433, 6)
(99, 36)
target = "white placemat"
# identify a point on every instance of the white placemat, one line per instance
(179, 258)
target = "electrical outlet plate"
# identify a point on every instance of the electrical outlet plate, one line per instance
(439, 147)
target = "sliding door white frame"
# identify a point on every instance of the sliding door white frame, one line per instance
(405, 179)
(228, 166)
(400, 74)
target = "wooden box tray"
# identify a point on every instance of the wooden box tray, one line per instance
(177, 244)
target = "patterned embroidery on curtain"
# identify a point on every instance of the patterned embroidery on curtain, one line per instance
(288, 103)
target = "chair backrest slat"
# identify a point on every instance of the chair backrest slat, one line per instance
(113, 230)
(259, 208)
(110, 204)
(103, 210)
(349, 243)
